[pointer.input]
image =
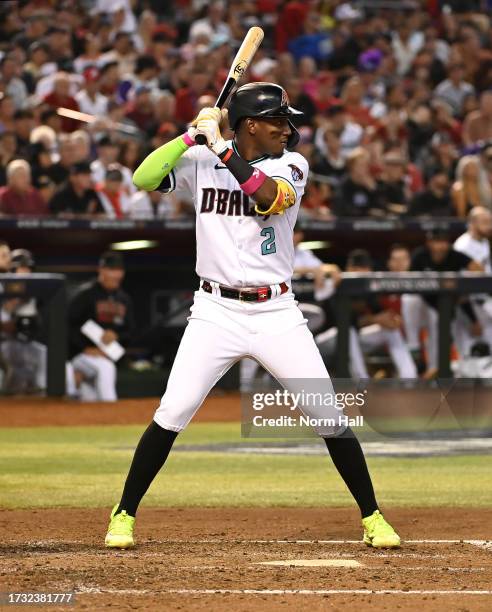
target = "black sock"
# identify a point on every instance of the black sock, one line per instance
(347, 455)
(149, 457)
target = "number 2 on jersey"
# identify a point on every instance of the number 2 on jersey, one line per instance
(268, 245)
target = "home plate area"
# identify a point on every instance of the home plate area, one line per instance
(220, 573)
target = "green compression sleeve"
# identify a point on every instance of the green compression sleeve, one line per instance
(158, 164)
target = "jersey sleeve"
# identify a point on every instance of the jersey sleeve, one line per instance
(292, 168)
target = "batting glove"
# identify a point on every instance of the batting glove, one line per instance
(207, 123)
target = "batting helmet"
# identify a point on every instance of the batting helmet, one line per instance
(262, 100)
(22, 258)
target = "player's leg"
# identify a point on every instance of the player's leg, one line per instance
(375, 336)
(207, 350)
(293, 358)
(412, 307)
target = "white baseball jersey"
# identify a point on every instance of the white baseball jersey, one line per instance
(478, 250)
(236, 246)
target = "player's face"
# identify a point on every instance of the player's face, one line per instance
(272, 135)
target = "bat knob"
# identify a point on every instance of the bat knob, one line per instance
(200, 139)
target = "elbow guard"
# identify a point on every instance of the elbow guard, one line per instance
(286, 197)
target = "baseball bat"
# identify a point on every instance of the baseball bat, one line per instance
(86, 118)
(243, 58)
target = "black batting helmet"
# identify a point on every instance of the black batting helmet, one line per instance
(262, 100)
(21, 258)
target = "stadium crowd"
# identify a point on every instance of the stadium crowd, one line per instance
(397, 99)
(397, 103)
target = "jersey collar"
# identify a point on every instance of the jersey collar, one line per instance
(254, 161)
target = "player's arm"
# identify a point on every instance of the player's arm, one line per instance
(157, 165)
(272, 195)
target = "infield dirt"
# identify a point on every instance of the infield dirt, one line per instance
(219, 549)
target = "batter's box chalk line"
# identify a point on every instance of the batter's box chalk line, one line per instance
(101, 591)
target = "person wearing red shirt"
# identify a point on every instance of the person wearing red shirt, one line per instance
(19, 196)
(60, 96)
(187, 97)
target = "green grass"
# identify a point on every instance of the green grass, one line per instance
(86, 467)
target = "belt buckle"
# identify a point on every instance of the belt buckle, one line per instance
(262, 294)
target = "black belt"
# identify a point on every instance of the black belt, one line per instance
(256, 294)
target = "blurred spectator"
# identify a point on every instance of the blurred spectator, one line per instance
(89, 99)
(7, 111)
(76, 196)
(301, 101)
(106, 303)
(122, 52)
(19, 197)
(152, 205)
(352, 97)
(107, 156)
(187, 97)
(393, 189)
(454, 89)
(312, 42)
(349, 133)
(478, 124)
(59, 40)
(61, 97)
(465, 191)
(485, 181)
(330, 163)
(10, 82)
(91, 56)
(406, 44)
(38, 65)
(8, 146)
(130, 154)
(23, 125)
(357, 194)
(59, 172)
(5, 256)
(41, 163)
(435, 200)
(141, 111)
(212, 25)
(112, 194)
(81, 143)
(442, 156)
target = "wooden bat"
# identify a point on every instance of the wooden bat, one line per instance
(86, 118)
(243, 58)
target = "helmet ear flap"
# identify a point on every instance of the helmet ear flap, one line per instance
(294, 136)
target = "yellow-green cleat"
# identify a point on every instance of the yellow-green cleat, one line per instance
(120, 530)
(378, 533)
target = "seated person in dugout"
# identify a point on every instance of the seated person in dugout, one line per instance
(101, 300)
(372, 327)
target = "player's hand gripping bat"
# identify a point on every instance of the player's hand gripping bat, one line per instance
(239, 66)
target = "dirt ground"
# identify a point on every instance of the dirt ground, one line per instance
(211, 559)
(213, 549)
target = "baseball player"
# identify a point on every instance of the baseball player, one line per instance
(247, 194)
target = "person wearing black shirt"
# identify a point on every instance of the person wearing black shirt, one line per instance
(103, 301)
(357, 194)
(76, 196)
(435, 200)
(420, 311)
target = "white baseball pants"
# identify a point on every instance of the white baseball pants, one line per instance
(99, 384)
(220, 332)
